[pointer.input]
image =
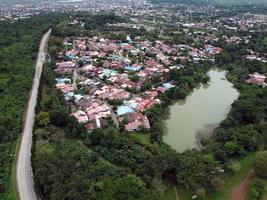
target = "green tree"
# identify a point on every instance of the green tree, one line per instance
(230, 147)
(256, 189)
(43, 118)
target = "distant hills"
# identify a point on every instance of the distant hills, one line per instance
(216, 2)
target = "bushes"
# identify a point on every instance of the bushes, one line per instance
(194, 171)
(217, 183)
(260, 165)
(70, 172)
(236, 141)
(43, 118)
(128, 187)
(234, 167)
(259, 182)
(118, 148)
(256, 189)
(75, 174)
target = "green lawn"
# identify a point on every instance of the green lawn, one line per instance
(143, 139)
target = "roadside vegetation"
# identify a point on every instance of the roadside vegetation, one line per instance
(19, 43)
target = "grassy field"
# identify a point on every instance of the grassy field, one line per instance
(170, 194)
(231, 182)
(11, 192)
(143, 139)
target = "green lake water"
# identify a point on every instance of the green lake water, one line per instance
(200, 112)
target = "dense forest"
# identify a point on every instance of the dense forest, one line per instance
(114, 165)
(19, 43)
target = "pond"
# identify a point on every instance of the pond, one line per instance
(200, 113)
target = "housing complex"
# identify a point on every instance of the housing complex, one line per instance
(107, 81)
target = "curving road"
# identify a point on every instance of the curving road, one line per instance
(24, 179)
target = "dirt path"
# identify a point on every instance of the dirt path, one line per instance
(241, 191)
(176, 193)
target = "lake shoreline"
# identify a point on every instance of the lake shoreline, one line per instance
(200, 113)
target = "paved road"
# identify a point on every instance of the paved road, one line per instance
(24, 178)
